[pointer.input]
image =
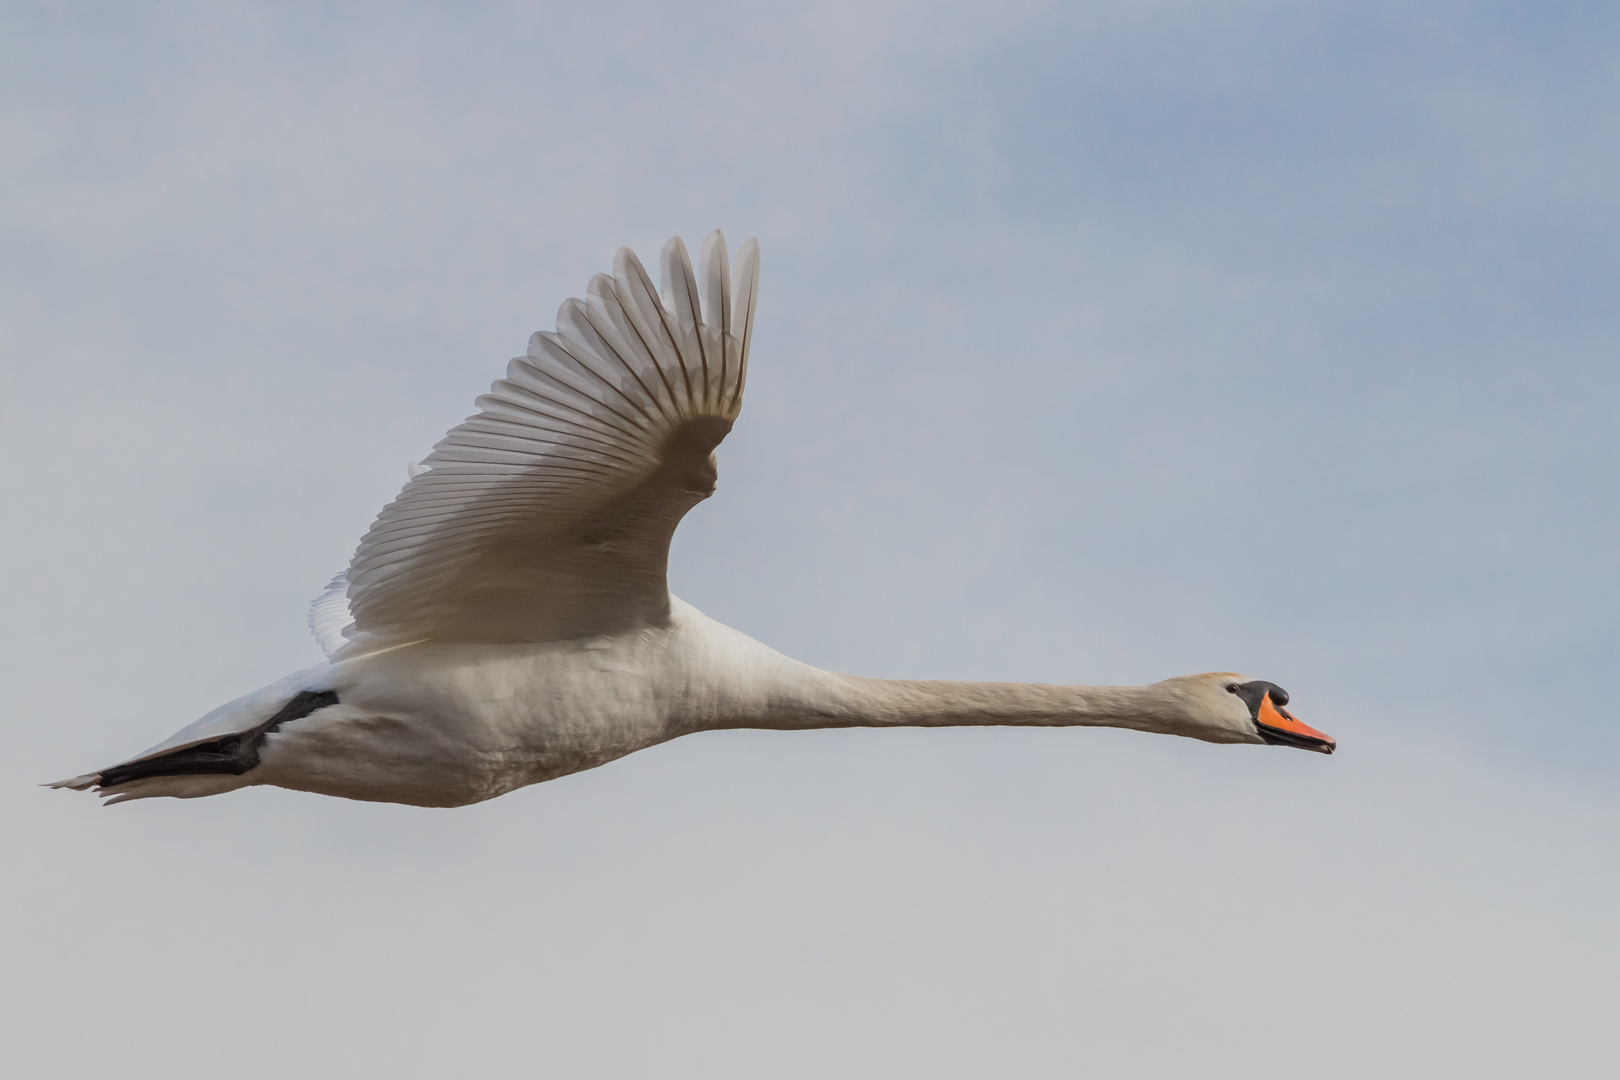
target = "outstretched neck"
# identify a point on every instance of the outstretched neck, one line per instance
(850, 701)
(749, 685)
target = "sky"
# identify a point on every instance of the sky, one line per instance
(1097, 343)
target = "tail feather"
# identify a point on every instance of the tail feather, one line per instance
(198, 767)
(77, 783)
(175, 787)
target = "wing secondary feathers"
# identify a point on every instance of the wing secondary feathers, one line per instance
(329, 615)
(548, 514)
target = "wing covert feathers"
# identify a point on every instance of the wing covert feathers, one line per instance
(548, 513)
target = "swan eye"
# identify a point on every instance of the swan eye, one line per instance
(1231, 688)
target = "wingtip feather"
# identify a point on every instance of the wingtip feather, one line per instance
(714, 282)
(744, 298)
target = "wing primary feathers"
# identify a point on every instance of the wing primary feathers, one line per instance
(643, 307)
(716, 295)
(680, 293)
(645, 301)
(616, 290)
(745, 293)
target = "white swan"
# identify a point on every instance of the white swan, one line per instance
(506, 619)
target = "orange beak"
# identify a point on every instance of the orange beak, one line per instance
(1279, 726)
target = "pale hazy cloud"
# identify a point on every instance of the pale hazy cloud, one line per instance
(1097, 343)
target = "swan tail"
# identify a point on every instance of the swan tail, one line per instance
(77, 783)
(174, 787)
(211, 756)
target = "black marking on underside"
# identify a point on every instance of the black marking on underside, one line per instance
(232, 755)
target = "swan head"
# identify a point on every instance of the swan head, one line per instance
(1228, 707)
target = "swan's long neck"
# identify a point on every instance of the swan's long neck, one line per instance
(753, 686)
(897, 702)
(827, 700)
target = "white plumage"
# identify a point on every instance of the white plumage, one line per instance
(329, 617)
(506, 619)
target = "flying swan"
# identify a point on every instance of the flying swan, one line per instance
(506, 619)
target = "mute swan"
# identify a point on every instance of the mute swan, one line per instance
(506, 619)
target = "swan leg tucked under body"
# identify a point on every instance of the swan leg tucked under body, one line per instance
(506, 620)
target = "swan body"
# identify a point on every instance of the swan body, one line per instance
(506, 621)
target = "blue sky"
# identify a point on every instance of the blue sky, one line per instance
(1097, 343)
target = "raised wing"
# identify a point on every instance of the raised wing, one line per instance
(548, 514)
